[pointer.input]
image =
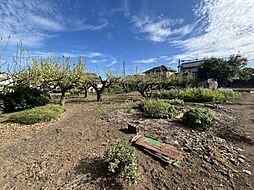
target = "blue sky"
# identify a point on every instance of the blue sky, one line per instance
(143, 33)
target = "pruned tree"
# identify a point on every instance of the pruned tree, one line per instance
(20, 85)
(67, 77)
(100, 85)
(141, 83)
(144, 84)
(84, 84)
(48, 74)
(180, 81)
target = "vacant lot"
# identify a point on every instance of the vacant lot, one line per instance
(67, 153)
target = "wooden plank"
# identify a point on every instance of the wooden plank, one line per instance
(163, 149)
(132, 128)
(166, 152)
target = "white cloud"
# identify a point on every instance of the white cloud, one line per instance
(113, 61)
(160, 28)
(150, 60)
(46, 23)
(162, 59)
(83, 25)
(94, 61)
(165, 57)
(92, 54)
(89, 54)
(28, 20)
(45, 54)
(225, 27)
(100, 58)
(35, 21)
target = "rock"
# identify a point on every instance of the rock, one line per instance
(187, 149)
(239, 149)
(234, 161)
(224, 172)
(219, 140)
(241, 160)
(57, 130)
(176, 181)
(206, 158)
(179, 116)
(241, 156)
(247, 172)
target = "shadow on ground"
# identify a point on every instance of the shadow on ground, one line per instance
(95, 170)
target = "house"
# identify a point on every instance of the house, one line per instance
(161, 71)
(190, 67)
(5, 81)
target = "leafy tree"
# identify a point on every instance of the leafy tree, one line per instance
(222, 70)
(247, 74)
(66, 77)
(48, 74)
(24, 90)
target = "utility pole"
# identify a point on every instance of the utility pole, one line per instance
(179, 63)
(124, 69)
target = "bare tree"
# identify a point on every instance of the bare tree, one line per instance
(100, 85)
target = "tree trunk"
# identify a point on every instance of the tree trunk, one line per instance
(142, 93)
(125, 88)
(85, 92)
(62, 100)
(98, 93)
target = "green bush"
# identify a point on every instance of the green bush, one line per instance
(195, 95)
(199, 118)
(36, 115)
(130, 110)
(21, 98)
(122, 161)
(176, 102)
(157, 108)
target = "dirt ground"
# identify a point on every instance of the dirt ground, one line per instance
(67, 153)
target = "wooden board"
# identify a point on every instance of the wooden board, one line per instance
(166, 152)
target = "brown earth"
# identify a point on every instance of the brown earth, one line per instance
(67, 153)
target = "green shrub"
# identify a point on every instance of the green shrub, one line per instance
(176, 102)
(122, 161)
(157, 108)
(130, 110)
(199, 118)
(195, 94)
(36, 115)
(21, 98)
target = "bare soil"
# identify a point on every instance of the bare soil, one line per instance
(67, 153)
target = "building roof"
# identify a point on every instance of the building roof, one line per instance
(191, 64)
(160, 68)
